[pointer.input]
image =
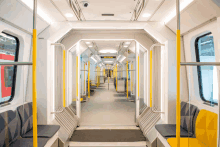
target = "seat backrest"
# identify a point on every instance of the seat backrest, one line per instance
(25, 113)
(188, 114)
(206, 128)
(10, 127)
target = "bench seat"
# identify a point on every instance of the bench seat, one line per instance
(43, 131)
(28, 142)
(206, 132)
(189, 114)
(169, 130)
(186, 142)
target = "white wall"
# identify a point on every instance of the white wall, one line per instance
(189, 41)
(22, 74)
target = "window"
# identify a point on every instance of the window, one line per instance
(9, 46)
(207, 75)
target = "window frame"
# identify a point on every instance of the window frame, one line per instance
(15, 69)
(199, 69)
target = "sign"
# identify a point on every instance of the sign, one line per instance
(108, 57)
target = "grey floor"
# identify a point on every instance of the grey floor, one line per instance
(104, 108)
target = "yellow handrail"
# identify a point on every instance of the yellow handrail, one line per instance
(34, 75)
(88, 79)
(138, 76)
(116, 79)
(178, 59)
(77, 77)
(178, 115)
(64, 99)
(151, 78)
(131, 78)
(127, 79)
(34, 90)
(84, 77)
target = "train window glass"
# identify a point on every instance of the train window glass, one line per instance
(9, 46)
(207, 75)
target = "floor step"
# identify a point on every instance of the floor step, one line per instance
(109, 144)
(108, 137)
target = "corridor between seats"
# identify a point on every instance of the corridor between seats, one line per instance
(107, 107)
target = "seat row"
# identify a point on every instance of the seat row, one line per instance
(16, 128)
(198, 128)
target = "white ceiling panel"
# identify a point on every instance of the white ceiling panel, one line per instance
(64, 7)
(196, 14)
(150, 8)
(122, 9)
(20, 15)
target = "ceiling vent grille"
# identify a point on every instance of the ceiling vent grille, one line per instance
(108, 15)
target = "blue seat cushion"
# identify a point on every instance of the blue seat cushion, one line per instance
(169, 130)
(44, 131)
(10, 127)
(25, 112)
(28, 142)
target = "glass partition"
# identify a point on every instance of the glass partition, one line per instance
(142, 75)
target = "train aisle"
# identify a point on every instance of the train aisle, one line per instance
(107, 107)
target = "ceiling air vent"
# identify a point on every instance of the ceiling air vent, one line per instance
(107, 14)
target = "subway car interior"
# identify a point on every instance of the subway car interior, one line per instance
(131, 73)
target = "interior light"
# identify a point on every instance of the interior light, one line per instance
(127, 42)
(108, 51)
(146, 15)
(108, 61)
(183, 4)
(69, 15)
(118, 57)
(125, 46)
(122, 59)
(88, 42)
(42, 14)
(90, 45)
(93, 59)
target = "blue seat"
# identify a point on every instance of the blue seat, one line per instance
(10, 127)
(189, 114)
(44, 131)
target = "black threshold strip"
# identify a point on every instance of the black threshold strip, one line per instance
(107, 136)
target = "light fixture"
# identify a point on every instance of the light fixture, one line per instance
(146, 15)
(127, 42)
(88, 42)
(108, 51)
(90, 45)
(125, 45)
(108, 61)
(122, 59)
(69, 15)
(94, 59)
(42, 14)
(172, 14)
(118, 57)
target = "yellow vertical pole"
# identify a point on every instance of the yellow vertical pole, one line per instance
(138, 76)
(127, 80)
(84, 77)
(151, 76)
(34, 88)
(131, 77)
(64, 98)
(34, 75)
(77, 77)
(116, 78)
(88, 79)
(178, 59)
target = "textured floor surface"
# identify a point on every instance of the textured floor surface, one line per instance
(107, 136)
(107, 107)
